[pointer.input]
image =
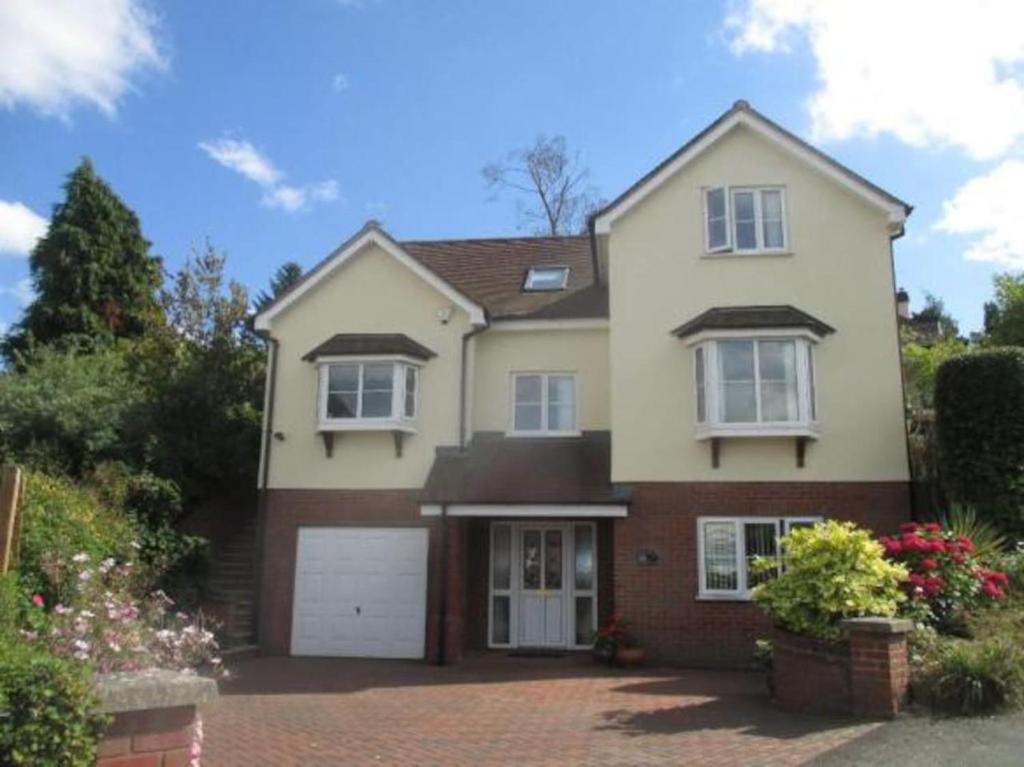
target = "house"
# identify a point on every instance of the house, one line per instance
(495, 443)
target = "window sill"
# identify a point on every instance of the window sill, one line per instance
(785, 252)
(745, 598)
(368, 424)
(543, 434)
(811, 431)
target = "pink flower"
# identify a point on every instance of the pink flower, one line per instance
(37, 600)
(933, 527)
(908, 527)
(938, 546)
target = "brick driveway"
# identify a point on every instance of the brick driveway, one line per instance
(500, 710)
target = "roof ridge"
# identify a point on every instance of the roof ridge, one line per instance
(530, 238)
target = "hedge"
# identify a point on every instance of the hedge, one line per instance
(979, 419)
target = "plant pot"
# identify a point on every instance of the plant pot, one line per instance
(629, 656)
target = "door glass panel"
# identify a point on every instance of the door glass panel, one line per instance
(584, 620)
(500, 620)
(553, 559)
(584, 558)
(531, 559)
(502, 556)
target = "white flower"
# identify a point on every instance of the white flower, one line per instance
(62, 610)
(85, 575)
(136, 545)
(80, 557)
(81, 644)
(86, 614)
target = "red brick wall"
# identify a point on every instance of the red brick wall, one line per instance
(661, 602)
(148, 738)
(880, 673)
(810, 675)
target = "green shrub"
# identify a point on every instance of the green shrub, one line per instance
(830, 572)
(964, 522)
(11, 607)
(59, 519)
(970, 678)
(47, 711)
(979, 411)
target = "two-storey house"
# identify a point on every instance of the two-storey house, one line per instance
(475, 444)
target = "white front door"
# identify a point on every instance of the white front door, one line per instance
(542, 587)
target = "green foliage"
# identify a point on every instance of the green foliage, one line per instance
(287, 275)
(970, 678)
(979, 407)
(47, 711)
(11, 607)
(831, 571)
(921, 366)
(1004, 316)
(989, 542)
(59, 520)
(94, 277)
(65, 410)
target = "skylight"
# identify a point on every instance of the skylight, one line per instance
(546, 278)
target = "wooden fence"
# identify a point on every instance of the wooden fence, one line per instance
(11, 488)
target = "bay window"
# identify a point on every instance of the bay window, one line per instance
(745, 220)
(367, 394)
(728, 546)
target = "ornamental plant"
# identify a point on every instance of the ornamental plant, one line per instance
(830, 572)
(944, 577)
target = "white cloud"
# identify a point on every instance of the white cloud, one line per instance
(20, 228)
(242, 157)
(991, 208)
(340, 82)
(57, 54)
(929, 73)
(21, 291)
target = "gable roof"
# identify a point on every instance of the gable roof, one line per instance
(348, 344)
(752, 318)
(742, 113)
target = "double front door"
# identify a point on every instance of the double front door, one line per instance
(543, 584)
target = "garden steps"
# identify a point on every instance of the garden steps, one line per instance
(232, 586)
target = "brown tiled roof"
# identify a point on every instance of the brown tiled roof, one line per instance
(752, 318)
(370, 343)
(499, 469)
(491, 271)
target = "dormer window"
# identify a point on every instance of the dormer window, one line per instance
(546, 278)
(745, 220)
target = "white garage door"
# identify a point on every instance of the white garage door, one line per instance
(360, 592)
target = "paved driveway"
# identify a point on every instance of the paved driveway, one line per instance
(498, 710)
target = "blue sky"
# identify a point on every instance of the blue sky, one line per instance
(318, 114)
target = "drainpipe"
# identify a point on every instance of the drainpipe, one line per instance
(442, 642)
(261, 509)
(463, 381)
(914, 494)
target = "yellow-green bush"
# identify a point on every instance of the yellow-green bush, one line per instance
(830, 571)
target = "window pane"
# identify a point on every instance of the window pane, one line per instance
(528, 389)
(531, 559)
(341, 405)
(560, 389)
(737, 360)
(739, 396)
(778, 402)
(773, 237)
(528, 417)
(739, 402)
(717, 219)
(721, 570)
(500, 620)
(561, 418)
(716, 203)
(744, 220)
(380, 377)
(376, 404)
(759, 541)
(811, 384)
(771, 215)
(343, 378)
(584, 557)
(502, 557)
(553, 278)
(553, 559)
(777, 362)
(717, 231)
(584, 620)
(701, 396)
(410, 392)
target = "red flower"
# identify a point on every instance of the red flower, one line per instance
(908, 527)
(958, 558)
(37, 600)
(893, 548)
(966, 544)
(933, 527)
(938, 545)
(916, 580)
(933, 585)
(992, 590)
(929, 564)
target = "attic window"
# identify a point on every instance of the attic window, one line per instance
(541, 278)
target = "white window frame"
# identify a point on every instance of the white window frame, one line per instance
(742, 591)
(807, 423)
(730, 246)
(531, 272)
(397, 420)
(544, 431)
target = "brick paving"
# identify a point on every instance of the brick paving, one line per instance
(494, 710)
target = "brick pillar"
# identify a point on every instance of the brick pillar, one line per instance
(879, 674)
(456, 595)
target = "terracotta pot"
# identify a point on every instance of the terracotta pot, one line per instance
(629, 656)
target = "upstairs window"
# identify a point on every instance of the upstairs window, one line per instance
(544, 404)
(744, 219)
(546, 278)
(356, 394)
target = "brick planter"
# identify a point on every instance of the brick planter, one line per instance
(155, 721)
(867, 675)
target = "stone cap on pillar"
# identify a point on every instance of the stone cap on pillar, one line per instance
(878, 625)
(155, 688)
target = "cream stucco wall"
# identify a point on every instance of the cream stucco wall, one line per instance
(839, 270)
(372, 293)
(498, 354)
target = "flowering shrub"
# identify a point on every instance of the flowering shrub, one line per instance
(944, 577)
(110, 630)
(610, 636)
(831, 571)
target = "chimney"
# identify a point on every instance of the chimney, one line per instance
(903, 304)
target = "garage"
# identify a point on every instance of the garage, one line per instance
(360, 592)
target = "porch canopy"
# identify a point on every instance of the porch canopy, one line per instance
(499, 476)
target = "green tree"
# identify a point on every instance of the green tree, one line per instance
(935, 309)
(287, 275)
(1004, 315)
(94, 277)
